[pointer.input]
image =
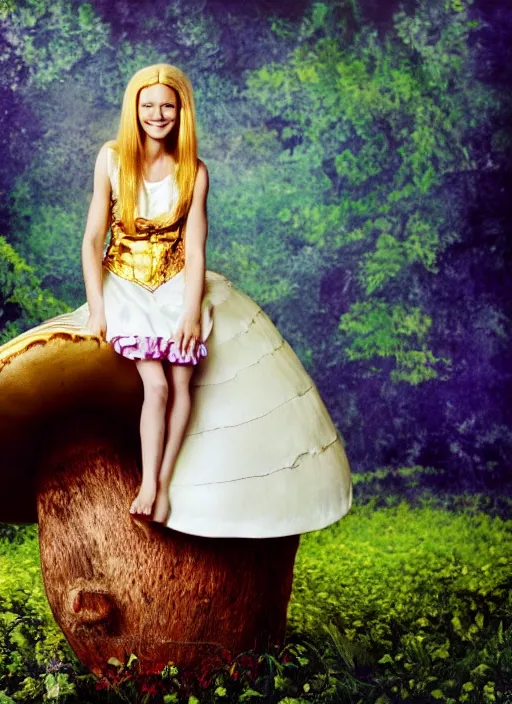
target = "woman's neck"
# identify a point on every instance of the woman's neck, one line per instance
(156, 160)
(154, 150)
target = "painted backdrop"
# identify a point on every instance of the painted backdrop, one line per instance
(360, 158)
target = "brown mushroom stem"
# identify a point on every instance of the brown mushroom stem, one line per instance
(119, 585)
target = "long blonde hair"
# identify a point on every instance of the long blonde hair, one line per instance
(181, 143)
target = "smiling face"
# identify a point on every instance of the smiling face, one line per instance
(157, 110)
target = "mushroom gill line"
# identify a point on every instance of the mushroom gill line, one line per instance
(245, 422)
(294, 465)
(219, 383)
(242, 332)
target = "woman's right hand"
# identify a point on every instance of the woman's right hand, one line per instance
(97, 324)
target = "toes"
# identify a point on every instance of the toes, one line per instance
(140, 506)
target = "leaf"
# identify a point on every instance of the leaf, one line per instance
(386, 659)
(4, 699)
(249, 693)
(131, 659)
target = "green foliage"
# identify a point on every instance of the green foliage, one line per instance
(391, 604)
(52, 242)
(386, 121)
(419, 244)
(28, 632)
(52, 36)
(378, 330)
(23, 303)
(418, 596)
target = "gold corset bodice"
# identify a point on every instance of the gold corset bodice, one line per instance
(151, 256)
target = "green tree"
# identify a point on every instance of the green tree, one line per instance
(375, 127)
(23, 303)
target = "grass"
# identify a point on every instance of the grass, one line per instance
(400, 602)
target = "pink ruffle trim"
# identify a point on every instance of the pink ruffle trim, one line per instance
(137, 347)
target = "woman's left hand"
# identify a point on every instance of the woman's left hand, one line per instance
(187, 334)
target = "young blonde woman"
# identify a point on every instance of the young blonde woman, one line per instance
(146, 185)
(258, 454)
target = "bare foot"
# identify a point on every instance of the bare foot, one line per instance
(144, 500)
(162, 506)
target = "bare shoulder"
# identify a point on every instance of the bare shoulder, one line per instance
(107, 151)
(201, 176)
(101, 169)
(202, 169)
(110, 144)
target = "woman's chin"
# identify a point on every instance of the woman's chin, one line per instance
(157, 134)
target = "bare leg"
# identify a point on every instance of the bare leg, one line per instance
(179, 413)
(152, 431)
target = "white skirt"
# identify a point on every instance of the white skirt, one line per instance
(141, 324)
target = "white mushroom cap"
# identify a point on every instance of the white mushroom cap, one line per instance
(261, 457)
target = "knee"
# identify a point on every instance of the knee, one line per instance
(181, 385)
(156, 391)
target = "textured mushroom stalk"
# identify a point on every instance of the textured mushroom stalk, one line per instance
(118, 585)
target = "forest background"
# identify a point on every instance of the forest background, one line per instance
(360, 155)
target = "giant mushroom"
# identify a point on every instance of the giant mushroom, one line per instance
(219, 573)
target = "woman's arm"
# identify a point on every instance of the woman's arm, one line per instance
(189, 328)
(195, 245)
(94, 237)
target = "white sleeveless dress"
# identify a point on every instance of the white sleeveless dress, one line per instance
(141, 323)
